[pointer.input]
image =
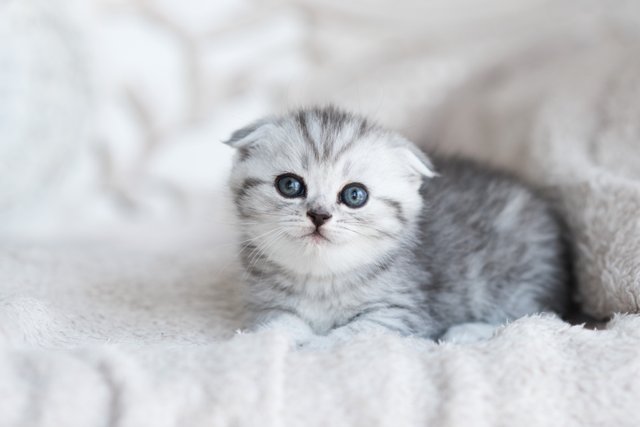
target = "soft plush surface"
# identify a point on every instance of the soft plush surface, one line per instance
(119, 292)
(141, 337)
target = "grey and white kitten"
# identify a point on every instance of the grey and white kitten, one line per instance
(349, 227)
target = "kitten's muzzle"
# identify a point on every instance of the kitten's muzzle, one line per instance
(318, 217)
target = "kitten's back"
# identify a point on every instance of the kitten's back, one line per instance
(494, 247)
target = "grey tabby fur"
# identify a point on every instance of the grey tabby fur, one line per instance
(440, 242)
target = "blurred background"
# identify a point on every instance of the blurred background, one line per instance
(112, 112)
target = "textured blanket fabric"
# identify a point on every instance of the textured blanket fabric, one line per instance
(138, 327)
(171, 362)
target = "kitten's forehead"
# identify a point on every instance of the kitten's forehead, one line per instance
(324, 134)
(326, 139)
(327, 153)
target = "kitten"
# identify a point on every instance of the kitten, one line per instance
(349, 227)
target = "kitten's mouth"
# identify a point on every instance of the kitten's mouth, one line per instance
(316, 236)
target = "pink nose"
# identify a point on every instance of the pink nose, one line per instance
(318, 218)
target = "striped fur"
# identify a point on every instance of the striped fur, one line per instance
(426, 252)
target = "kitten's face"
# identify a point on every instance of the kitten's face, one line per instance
(320, 192)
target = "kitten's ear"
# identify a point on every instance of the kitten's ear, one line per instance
(418, 160)
(249, 134)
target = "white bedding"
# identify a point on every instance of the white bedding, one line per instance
(130, 337)
(119, 292)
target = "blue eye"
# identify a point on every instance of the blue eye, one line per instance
(354, 195)
(290, 185)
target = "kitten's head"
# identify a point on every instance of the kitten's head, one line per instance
(322, 192)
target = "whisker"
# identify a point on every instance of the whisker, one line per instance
(261, 250)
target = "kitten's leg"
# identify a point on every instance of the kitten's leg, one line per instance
(469, 332)
(286, 322)
(398, 321)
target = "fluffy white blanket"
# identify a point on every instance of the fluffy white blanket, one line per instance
(171, 363)
(139, 330)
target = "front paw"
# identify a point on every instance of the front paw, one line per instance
(467, 333)
(317, 343)
(336, 338)
(296, 332)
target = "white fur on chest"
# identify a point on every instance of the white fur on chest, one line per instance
(327, 304)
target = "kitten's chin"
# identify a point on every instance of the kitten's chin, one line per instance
(318, 255)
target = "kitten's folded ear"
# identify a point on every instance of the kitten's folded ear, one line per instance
(249, 134)
(418, 160)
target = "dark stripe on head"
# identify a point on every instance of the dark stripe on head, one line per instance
(363, 129)
(333, 121)
(397, 207)
(324, 115)
(244, 153)
(302, 124)
(246, 185)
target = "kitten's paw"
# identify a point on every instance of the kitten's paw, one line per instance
(295, 330)
(310, 345)
(466, 333)
(317, 343)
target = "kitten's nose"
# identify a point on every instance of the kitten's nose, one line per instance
(318, 217)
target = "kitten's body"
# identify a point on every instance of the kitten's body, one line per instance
(425, 253)
(495, 249)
